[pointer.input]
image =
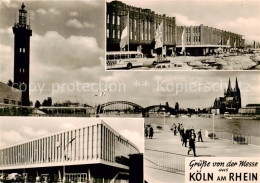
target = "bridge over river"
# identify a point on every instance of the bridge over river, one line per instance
(133, 108)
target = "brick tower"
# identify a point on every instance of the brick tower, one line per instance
(22, 33)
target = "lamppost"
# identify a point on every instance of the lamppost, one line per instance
(24, 176)
(213, 116)
(164, 121)
(64, 170)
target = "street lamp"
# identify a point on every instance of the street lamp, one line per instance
(164, 121)
(213, 116)
(64, 171)
(23, 167)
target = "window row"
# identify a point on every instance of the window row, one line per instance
(13, 102)
(22, 50)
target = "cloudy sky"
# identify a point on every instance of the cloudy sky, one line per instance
(240, 16)
(19, 129)
(67, 60)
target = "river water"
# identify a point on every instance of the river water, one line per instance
(243, 127)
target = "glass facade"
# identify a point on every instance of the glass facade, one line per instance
(96, 142)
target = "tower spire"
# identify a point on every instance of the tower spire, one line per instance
(236, 86)
(229, 86)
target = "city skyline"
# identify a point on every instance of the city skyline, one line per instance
(61, 55)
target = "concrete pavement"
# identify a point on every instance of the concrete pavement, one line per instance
(166, 141)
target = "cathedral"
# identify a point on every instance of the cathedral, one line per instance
(231, 101)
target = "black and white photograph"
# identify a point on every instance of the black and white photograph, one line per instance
(182, 35)
(71, 150)
(47, 46)
(79, 101)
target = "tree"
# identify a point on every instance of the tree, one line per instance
(45, 103)
(49, 100)
(37, 104)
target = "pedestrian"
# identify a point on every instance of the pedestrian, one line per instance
(200, 136)
(184, 137)
(151, 132)
(181, 132)
(146, 132)
(192, 143)
(179, 127)
(175, 130)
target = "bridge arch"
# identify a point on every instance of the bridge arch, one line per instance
(119, 106)
(158, 109)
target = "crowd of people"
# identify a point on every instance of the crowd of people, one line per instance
(187, 135)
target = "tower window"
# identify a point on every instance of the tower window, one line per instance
(22, 50)
(107, 33)
(113, 19)
(118, 20)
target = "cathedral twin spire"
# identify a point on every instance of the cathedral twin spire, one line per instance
(229, 89)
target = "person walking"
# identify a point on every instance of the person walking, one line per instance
(192, 143)
(184, 137)
(179, 127)
(151, 132)
(200, 136)
(181, 132)
(175, 130)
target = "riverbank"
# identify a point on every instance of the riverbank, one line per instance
(166, 141)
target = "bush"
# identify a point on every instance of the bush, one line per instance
(211, 135)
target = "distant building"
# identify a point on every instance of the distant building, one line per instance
(9, 96)
(93, 153)
(250, 109)
(231, 101)
(203, 40)
(22, 33)
(143, 24)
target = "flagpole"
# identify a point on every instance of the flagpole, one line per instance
(128, 31)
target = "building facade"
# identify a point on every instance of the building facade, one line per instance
(203, 40)
(231, 102)
(22, 33)
(84, 152)
(142, 26)
(10, 100)
(250, 109)
(10, 96)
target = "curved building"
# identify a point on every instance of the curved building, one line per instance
(92, 153)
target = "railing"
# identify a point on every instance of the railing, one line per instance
(235, 138)
(254, 141)
(170, 162)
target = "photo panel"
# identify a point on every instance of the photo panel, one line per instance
(69, 114)
(71, 149)
(182, 35)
